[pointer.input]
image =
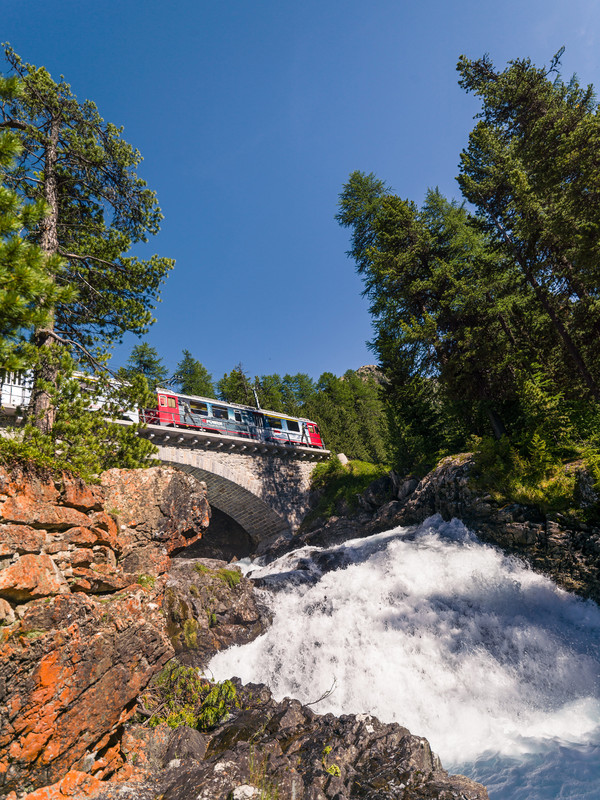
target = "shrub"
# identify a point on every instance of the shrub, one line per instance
(338, 484)
(181, 696)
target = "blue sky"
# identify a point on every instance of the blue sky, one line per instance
(251, 114)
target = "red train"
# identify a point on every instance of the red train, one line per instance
(214, 416)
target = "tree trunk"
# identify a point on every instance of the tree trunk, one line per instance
(41, 409)
(496, 423)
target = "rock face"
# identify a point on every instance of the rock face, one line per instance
(209, 606)
(92, 607)
(81, 628)
(160, 508)
(285, 750)
(564, 548)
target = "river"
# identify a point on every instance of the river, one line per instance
(430, 628)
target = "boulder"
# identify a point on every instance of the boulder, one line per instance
(208, 606)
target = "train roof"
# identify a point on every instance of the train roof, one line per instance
(232, 405)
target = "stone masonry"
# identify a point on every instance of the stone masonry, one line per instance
(266, 493)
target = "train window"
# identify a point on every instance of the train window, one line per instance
(238, 416)
(293, 426)
(162, 400)
(273, 422)
(220, 412)
(172, 402)
(199, 408)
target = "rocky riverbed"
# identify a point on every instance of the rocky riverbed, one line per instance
(93, 605)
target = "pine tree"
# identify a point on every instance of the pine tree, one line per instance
(96, 209)
(235, 387)
(192, 377)
(28, 292)
(531, 169)
(144, 360)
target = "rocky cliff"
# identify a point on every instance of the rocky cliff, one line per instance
(82, 574)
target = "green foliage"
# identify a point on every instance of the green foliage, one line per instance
(147, 581)
(95, 209)
(339, 485)
(489, 324)
(28, 292)
(235, 387)
(191, 377)
(181, 696)
(351, 415)
(531, 169)
(190, 633)
(332, 769)
(229, 576)
(532, 477)
(82, 440)
(99, 207)
(144, 360)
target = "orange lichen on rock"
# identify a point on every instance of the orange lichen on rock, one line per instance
(79, 638)
(30, 577)
(74, 784)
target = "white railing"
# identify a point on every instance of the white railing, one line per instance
(15, 390)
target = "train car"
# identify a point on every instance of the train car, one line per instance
(215, 416)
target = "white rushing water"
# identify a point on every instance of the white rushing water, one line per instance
(490, 661)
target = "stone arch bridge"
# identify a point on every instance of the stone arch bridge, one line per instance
(261, 486)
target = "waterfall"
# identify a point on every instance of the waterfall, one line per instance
(430, 628)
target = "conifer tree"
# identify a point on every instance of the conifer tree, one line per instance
(531, 169)
(28, 292)
(192, 377)
(235, 387)
(144, 360)
(96, 209)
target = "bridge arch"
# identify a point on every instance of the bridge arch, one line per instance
(263, 489)
(254, 515)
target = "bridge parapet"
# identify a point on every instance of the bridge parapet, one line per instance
(162, 435)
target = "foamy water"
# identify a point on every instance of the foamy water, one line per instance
(493, 663)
